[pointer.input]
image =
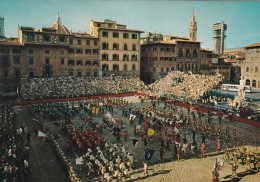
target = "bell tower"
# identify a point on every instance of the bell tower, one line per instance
(193, 27)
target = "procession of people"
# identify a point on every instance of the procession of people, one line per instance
(111, 136)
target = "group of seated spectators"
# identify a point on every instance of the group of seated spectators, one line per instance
(64, 87)
(179, 84)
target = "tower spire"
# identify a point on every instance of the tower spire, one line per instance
(193, 27)
(58, 19)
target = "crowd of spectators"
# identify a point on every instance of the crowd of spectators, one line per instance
(64, 87)
(9, 165)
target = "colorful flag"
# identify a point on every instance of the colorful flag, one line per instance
(97, 109)
(149, 154)
(93, 110)
(218, 164)
(150, 132)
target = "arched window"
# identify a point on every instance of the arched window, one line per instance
(154, 69)
(167, 69)
(115, 46)
(195, 53)
(162, 69)
(247, 82)
(125, 67)
(254, 83)
(180, 53)
(148, 68)
(172, 68)
(133, 67)
(188, 52)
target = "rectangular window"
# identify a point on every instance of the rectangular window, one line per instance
(79, 42)
(31, 61)
(79, 74)
(30, 37)
(79, 51)
(4, 50)
(125, 57)
(62, 52)
(17, 60)
(71, 73)
(46, 38)
(134, 36)
(115, 57)
(105, 46)
(88, 42)
(95, 51)
(87, 74)
(104, 57)
(62, 61)
(134, 58)
(17, 73)
(71, 62)
(62, 39)
(47, 61)
(104, 34)
(87, 63)
(47, 52)
(71, 41)
(87, 51)
(154, 49)
(95, 63)
(5, 73)
(16, 51)
(95, 43)
(71, 51)
(125, 35)
(115, 34)
(79, 63)
(30, 51)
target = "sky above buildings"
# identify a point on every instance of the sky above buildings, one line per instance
(160, 16)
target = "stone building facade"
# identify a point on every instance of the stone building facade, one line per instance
(158, 58)
(174, 53)
(119, 48)
(52, 51)
(250, 71)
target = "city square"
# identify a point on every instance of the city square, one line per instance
(124, 104)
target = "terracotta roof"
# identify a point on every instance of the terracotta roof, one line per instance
(203, 49)
(193, 41)
(253, 45)
(10, 43)
(162, 42)
(47, 44)
(223, 56)
(232, 61)
(177, 37)
(120, 29)
(242, 53)
(60, 28)
(241, 57)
